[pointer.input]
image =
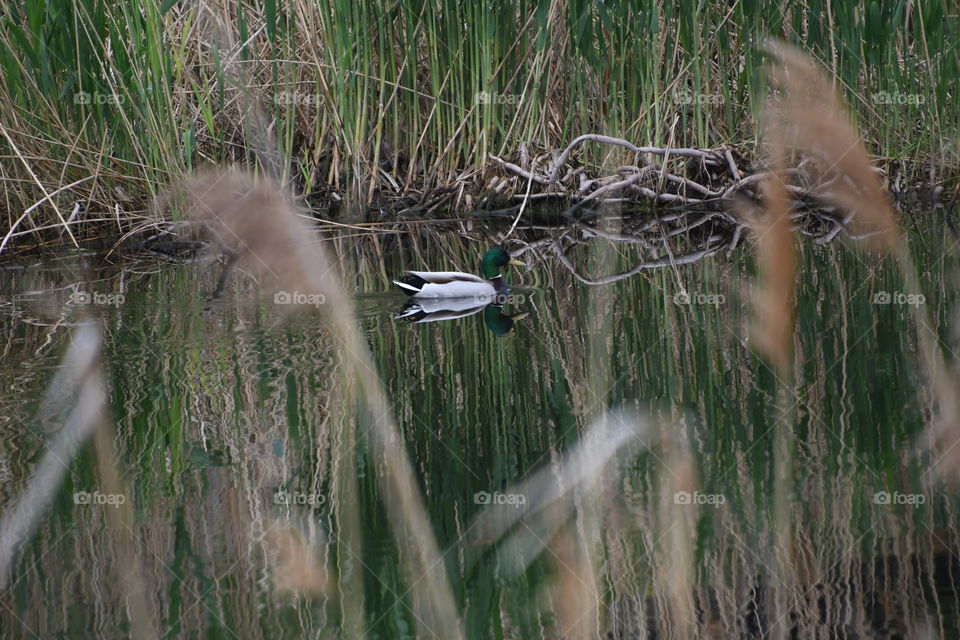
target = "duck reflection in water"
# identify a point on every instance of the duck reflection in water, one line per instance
(439, 309)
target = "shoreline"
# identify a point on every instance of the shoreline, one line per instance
(509, 189)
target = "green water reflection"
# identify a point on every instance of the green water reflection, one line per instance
(226, 415)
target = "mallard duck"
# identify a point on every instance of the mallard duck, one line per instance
(454, 284)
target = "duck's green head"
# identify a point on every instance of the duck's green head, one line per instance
(494, 260)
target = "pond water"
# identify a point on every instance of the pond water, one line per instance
(232, 423)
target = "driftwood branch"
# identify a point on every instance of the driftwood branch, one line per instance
(706, 156)
(711, 180)
(645, 180)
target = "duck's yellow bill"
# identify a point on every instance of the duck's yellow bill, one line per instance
(517, 263)
(519, 316)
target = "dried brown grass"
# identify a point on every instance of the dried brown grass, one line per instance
(255, 221)
(777, 263)
(808, 118)
(296, 566)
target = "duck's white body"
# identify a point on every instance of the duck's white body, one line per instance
(448, 284)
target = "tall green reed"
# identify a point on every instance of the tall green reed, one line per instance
(374, 100)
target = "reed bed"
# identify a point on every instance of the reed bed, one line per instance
(105, 105)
